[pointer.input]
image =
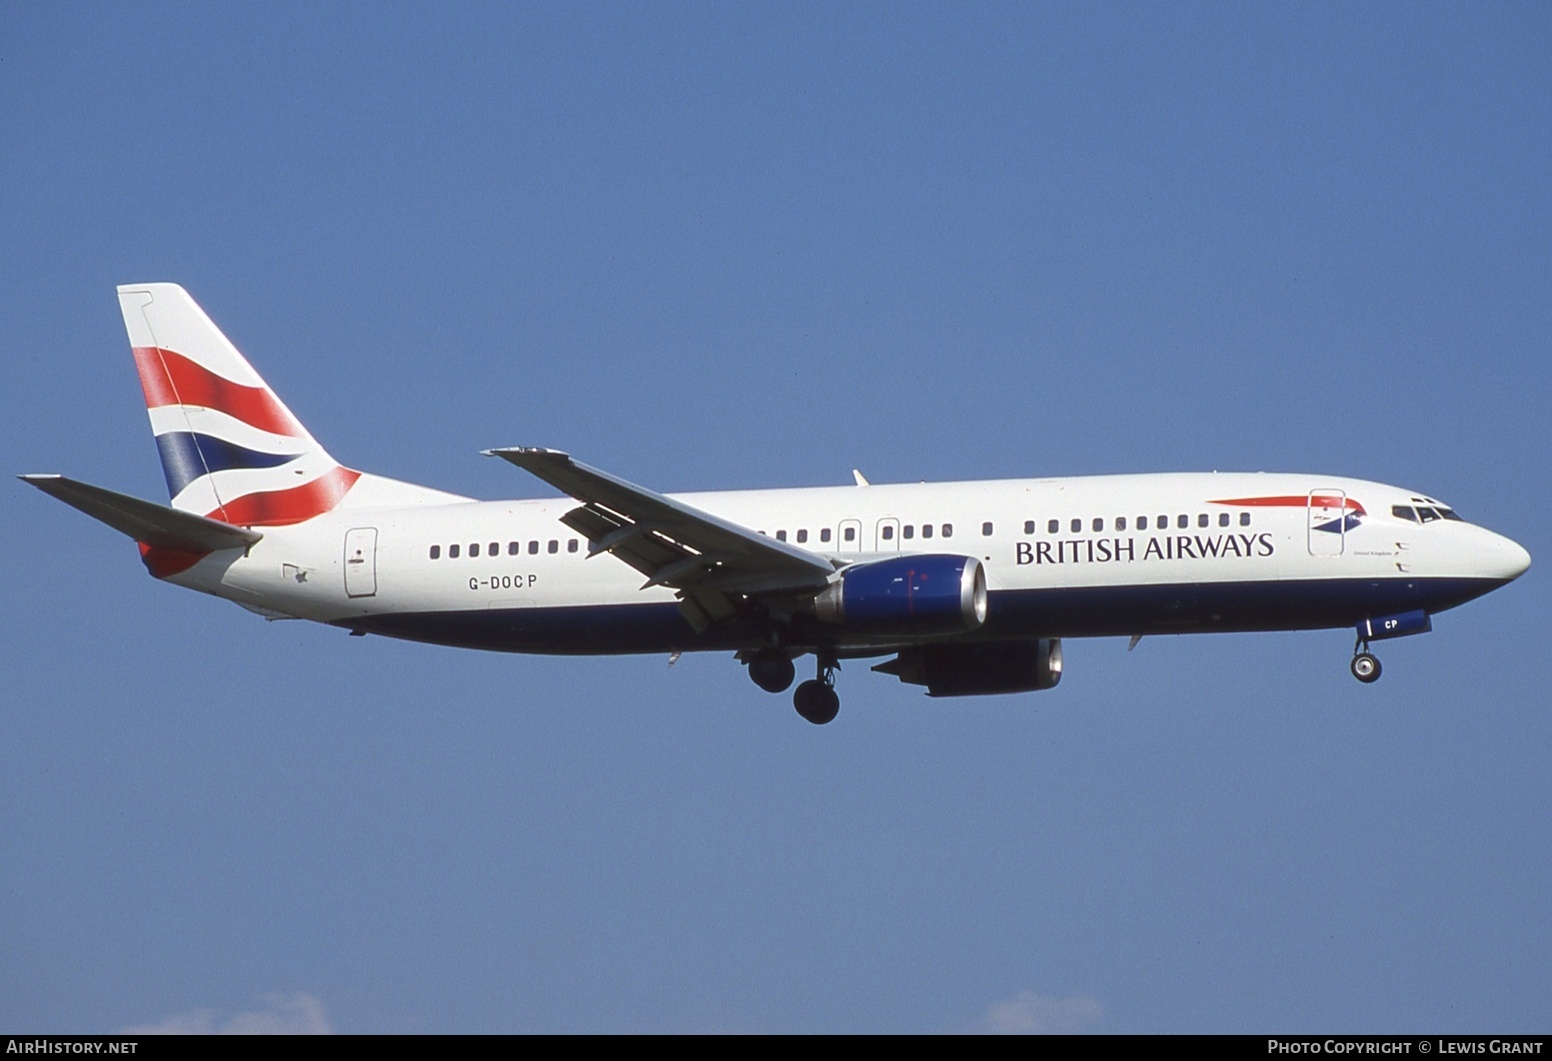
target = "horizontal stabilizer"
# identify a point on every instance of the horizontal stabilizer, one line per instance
(151, 524)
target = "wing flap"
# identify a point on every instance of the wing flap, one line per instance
(633, 543)
(146, 522)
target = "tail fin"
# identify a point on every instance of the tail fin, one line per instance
(230, 448)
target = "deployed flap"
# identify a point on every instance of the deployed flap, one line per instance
(145, 521)
(670, 542)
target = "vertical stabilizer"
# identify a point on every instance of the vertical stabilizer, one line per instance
(230, 448)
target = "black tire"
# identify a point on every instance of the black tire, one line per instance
(830, 706)
(1366, 668)
(772, 672)
(816, 702)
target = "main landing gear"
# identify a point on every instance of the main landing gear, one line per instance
(1365, 667)
(815, 700)
(772, 671)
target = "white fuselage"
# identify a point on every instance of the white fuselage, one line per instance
(1097, 556)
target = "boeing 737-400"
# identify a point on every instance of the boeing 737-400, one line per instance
(968, 587)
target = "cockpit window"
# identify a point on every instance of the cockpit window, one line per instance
(1424, 513)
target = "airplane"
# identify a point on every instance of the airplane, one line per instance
(968, 587)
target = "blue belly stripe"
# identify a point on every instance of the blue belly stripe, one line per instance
(1094, 611)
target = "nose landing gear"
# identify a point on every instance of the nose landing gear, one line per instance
(816, 700)
(1365, 667)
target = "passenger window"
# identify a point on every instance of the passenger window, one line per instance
(513, 548)
(1162, 523)
(436, 552)
(452, 552)
(494, 550)
(948, 530)
(889, 533)
(1182, 521)
(1120, 523)
(1053, 527)
(1142, 522)
(1203, 520)
(802, 536)
(926, 530)
(1403, 512)
(907, 531)
(474, 548)
(554, 545)
(533, 548)
(1077, 526)
(1223, 519)
(571, 546)
(851, 534)
(824, 534)
(1098, 524)
(1244, 519)
(1029, 526)
(781, 535)
(986, 530)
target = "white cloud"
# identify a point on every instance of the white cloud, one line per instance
(1030, 1014)
(297, 1014)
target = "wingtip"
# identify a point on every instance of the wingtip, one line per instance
(508, 452)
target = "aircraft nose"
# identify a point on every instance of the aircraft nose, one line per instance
(1502, 558)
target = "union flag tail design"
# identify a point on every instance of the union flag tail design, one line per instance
(230, 448)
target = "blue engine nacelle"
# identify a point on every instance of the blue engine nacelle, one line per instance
(914, 594)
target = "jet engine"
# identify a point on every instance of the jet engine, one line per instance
(980, 669)
(915, 594)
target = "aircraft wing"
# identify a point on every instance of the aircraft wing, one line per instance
(145, 521)
(672, 543)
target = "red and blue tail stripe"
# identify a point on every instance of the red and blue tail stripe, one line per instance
(186, 456)
(169, 378)
(277, 508)
(230, 449)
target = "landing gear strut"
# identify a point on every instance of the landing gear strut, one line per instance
(816, 700)
(1365, 667)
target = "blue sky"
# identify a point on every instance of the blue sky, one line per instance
(719, 246)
